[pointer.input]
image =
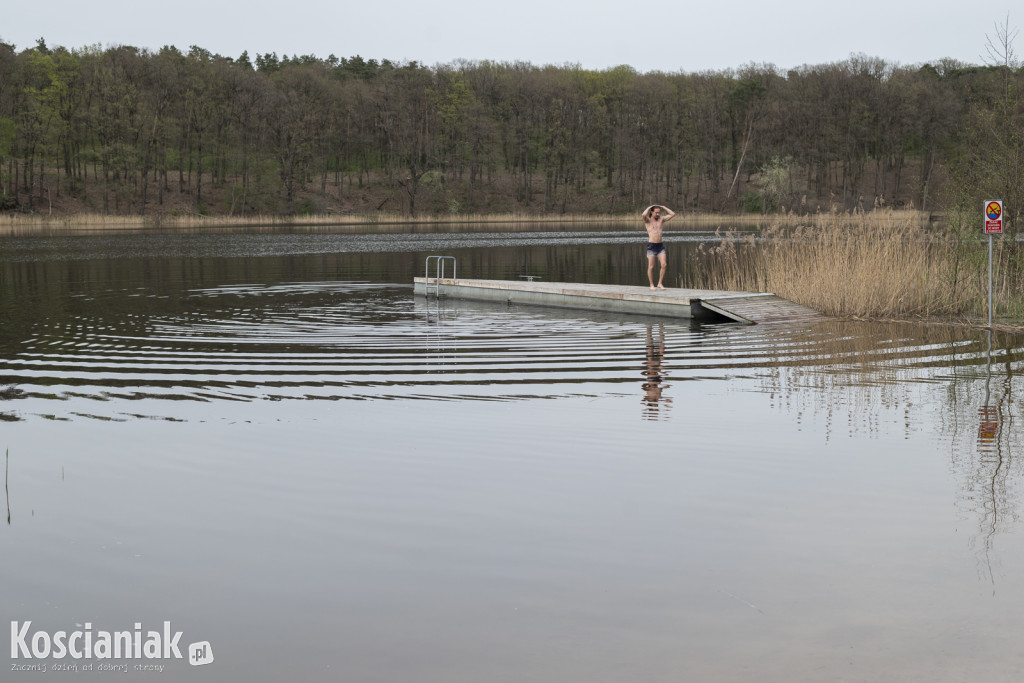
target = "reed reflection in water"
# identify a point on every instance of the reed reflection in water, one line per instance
(961, 384)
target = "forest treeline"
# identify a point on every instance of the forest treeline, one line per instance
(123, 130)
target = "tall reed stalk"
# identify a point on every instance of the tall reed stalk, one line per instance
(876, 265)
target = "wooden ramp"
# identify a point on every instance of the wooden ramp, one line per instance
(759, 308)
(701, 304)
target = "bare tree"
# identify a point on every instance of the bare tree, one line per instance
(999, 49)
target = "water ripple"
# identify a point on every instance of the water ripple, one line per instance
(330, 341)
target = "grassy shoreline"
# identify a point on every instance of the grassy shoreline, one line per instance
(95, 221)
(101, 221)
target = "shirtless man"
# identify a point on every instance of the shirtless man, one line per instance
(653, 220)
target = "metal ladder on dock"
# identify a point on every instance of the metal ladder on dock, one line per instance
(439, 268)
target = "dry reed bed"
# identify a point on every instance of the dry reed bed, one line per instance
(100, 222)
(26, 222)
(869, 266)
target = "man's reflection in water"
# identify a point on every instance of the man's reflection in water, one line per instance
(655, 404)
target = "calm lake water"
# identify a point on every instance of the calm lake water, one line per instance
(269, 441)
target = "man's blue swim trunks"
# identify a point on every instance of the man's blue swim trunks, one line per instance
(655, 248)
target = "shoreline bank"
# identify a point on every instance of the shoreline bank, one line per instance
(90, 221)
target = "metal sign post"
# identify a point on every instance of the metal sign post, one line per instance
(993, 226)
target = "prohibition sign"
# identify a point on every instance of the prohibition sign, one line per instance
(993, 217)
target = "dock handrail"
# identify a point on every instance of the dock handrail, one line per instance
(439, 268)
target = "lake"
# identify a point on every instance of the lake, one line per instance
(264, 438)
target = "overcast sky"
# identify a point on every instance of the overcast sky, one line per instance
(650, 35)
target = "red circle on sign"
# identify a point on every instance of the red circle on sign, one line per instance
(993, 210)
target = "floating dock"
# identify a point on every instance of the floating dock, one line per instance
(701, 304)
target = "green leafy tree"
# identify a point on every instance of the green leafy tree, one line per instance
(775, 183)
